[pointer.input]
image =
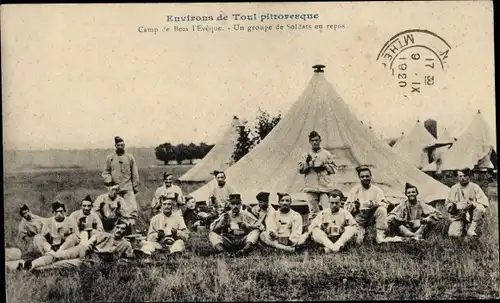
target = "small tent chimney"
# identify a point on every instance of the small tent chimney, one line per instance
(318, 68)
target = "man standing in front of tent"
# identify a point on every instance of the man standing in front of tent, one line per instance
(467, 205)
(121, 168)
(318, 169)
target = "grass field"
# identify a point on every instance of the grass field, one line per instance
(437, 269)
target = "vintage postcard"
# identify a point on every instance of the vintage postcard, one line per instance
(249, 151)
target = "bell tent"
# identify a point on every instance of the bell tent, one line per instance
(219, 157)
(412, 146)
(474, 147)
(272, 166)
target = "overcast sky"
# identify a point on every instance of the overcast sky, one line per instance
(75, 76)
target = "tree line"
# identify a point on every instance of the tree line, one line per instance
(248, 137)
(167, 152)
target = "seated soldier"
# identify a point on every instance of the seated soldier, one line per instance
(166, 230)
(284, 227)
(412, 218)
(367, 204)
(263, 210)
(467, 205)
(190, 211)
(88, 221)
(101, 247)
(235, 230)
(334, 226)
(220, 192)
(168, 187)
(30, 225)
(58, 233)
(110, 207)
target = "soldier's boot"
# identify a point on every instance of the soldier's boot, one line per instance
(380, 236)
(471, 231)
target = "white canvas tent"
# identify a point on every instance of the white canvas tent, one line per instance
(412, 146)
(473, 147)
(273, 165)
(219, 156)
(444, 136)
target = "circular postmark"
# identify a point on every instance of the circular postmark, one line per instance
(414, 57)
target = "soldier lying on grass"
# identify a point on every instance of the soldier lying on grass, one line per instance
(29, 226)
(102, 247)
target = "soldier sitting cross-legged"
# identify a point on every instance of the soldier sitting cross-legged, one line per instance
(167, 230)
(412, 218)
(284, 227)
(334, 226)
(235, 230)
(58, 233)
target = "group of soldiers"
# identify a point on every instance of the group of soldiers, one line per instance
(99, 230)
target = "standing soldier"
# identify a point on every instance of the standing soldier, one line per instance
(88, 221)
(163, 190)
(467, 205)
(318, 169)
(121, 168)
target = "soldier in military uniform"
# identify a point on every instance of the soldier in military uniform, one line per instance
(235, 230)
